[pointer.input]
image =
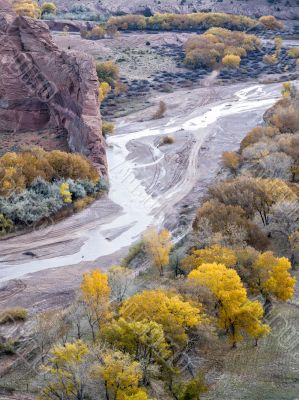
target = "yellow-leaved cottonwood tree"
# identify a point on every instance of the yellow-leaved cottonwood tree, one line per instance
(158, 246)
(48, 8)
(236, 314)
(74, 369)
(213, 254)
(167, 309)
(66, 372)
(121, 376)
(271, 278)
(144, 340)
(27, 8)
(95, 293)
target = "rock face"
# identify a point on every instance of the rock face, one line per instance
(43, 87)
(73, 26)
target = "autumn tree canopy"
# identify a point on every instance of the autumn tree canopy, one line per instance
(95, 294)
(165, 308)
(271, 278)
(214, 254)
(158, 246)
(236, 314)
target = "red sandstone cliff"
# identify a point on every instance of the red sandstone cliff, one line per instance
(42, 86)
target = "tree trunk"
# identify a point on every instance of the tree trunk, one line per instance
(106, 391)
(93, 333)
(233, 332)
(293, 262)
(78, 331)
(267, 306)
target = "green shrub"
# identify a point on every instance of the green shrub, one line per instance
(107, 128)
(7, 347)
(77, 189)
(28, 206)
(5, 225)
(12, 315)
(108, 72)
(133, 251)
(102, 185)
(48, 8)
(88, 186)
(43, 199)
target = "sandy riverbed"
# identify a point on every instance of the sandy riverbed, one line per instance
(149, 185)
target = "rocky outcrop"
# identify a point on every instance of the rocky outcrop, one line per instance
(71, 26)
(43, 87)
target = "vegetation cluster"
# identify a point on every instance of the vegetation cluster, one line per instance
(36, 184)
(192, 22)
(130, 341)
(31, 8)
(99, 32)
(109, 81)
(219, 46)
(257, 203)
(127, 343)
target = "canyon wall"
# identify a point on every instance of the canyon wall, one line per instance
(43, 87)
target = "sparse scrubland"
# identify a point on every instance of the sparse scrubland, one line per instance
(164, 56)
